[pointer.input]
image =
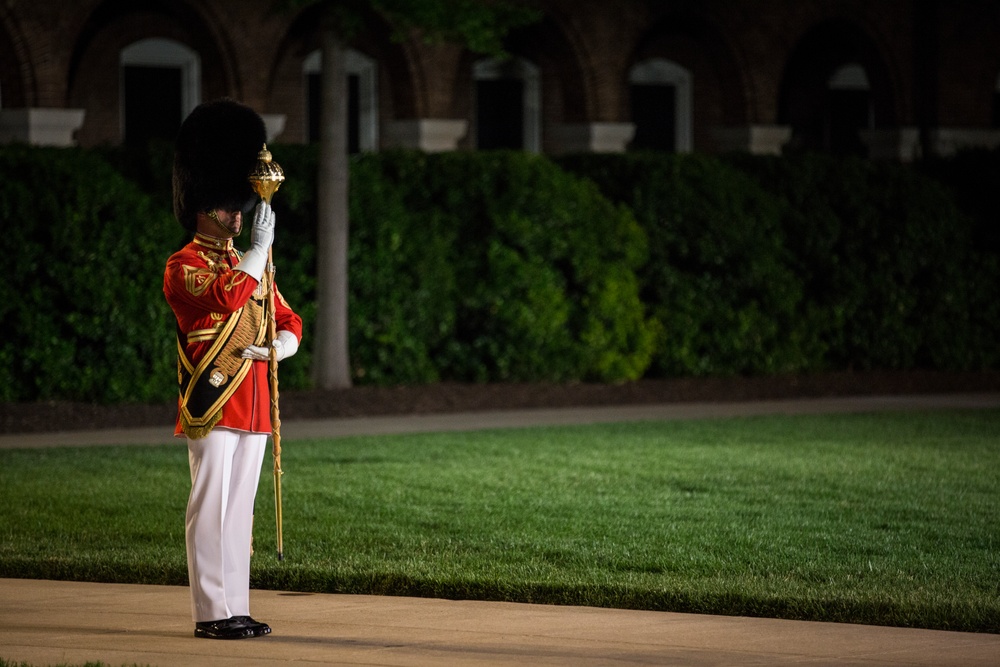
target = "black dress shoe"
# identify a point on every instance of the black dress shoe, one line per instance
(224, 629)
(259, 629)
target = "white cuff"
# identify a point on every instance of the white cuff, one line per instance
(289, 343)
(253, 263)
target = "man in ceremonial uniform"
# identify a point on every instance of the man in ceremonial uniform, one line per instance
(218, 297)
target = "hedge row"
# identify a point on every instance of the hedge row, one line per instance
(505, 266)
(82, 302)
(719, 278)
(896, 267)
(807, 263)
(480, 267)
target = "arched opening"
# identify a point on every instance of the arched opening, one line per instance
(679, 49)
(179, 58)
(835, 87)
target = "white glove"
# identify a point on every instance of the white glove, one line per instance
(261, 235)
(285, 345)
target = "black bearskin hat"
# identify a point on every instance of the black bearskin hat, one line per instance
(216, 150)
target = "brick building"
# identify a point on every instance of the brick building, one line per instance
(883, 78)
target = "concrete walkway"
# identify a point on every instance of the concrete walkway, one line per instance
(469, 421)
(50, 623)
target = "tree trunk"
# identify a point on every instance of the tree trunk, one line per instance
(331, 360)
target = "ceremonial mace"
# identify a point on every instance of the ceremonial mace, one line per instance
(266, 178)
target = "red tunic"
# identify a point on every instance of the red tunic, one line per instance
(203, 290)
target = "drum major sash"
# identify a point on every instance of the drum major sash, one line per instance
(206, 387)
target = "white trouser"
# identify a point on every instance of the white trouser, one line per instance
(225, 469)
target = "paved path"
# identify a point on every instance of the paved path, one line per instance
(49, 622)
(467, 421)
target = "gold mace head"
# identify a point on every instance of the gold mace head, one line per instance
(266, 176)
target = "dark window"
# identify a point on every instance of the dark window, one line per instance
(500, 114)
(654, 113)
(849, 113)
(353, 113)
(152, 103)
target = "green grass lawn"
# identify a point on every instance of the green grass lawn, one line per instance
(889, 519)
